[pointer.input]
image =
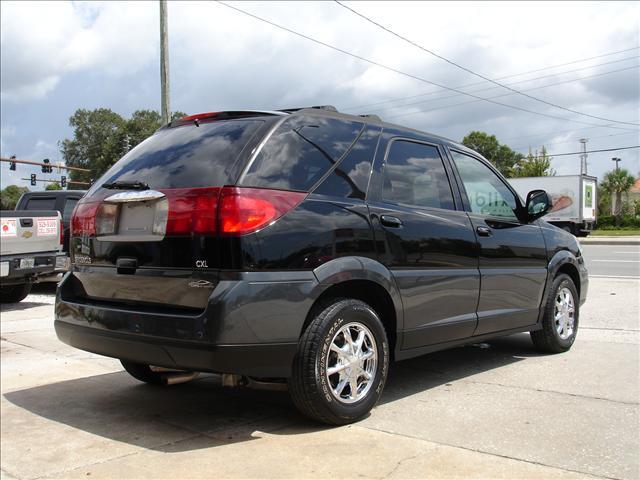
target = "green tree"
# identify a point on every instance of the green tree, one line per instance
(604, 200)
(538, 165)
(101, 137)
(488, 146)
(95, 144)
(615, 183)
(9, 196)
(53, 186)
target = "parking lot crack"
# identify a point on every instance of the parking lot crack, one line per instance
(4, 339)
(111, 459)
(398, 464)
(632, 330)
(476, 450)
(540, 390)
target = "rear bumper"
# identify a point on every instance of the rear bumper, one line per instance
(271, 360)
(12, 274)
(250, 326)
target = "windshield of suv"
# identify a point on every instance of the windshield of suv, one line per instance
(185, 156)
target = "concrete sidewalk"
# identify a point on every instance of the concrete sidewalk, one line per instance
(626, 240)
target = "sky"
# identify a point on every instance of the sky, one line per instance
(56, 57)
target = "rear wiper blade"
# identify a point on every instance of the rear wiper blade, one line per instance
(124, 185)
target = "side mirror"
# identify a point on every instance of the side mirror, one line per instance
(538, 204)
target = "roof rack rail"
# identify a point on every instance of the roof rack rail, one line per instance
(329, 108)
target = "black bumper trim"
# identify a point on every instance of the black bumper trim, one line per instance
(256, 360)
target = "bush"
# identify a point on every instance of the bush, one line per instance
(627, 222)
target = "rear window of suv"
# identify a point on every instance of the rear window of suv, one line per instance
(185, 156)
(301, 150)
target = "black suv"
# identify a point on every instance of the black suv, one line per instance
(310, 247)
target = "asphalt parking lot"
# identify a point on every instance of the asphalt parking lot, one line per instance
(494, 410)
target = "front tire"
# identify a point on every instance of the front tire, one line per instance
(342, 362)
(560, 321)
(15, 293)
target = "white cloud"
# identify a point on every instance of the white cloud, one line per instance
(42, 42)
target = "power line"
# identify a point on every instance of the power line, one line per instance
(575, 141)
(592, 151)
(552, 132)
(515, 83)
(488, 88)
(468, 70)
(408, 75)
(505, 95)
(357, 107)
(501, 95)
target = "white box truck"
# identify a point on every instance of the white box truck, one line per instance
(574, 200)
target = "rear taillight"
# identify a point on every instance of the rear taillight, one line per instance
(191, 210)
(61, 232)
(83, 220)
(245, 210)
(200, 211)
(107, 219)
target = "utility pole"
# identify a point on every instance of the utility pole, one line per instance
(617, 160)
(164, 63)
(583, 157)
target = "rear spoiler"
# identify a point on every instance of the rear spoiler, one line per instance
(230, 115)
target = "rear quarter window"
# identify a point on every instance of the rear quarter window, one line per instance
(351, 177)
(299, 153)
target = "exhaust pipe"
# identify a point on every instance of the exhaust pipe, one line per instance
(178, 377)
(171, 376)
(232, 380)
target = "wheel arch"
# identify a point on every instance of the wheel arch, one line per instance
(562, 262)
(364, 279)
(565, 262)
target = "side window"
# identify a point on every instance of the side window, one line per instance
(414, 175)
(351, 176)
(69, 205)
(488, 195)
(300, 152)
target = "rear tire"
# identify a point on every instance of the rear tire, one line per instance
(560, 321)
(15, 293)
(347, 337)
(142, 372)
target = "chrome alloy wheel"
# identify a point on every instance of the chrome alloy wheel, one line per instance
(351, 363)
(564, 313)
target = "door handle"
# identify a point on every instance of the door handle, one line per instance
(484, 231)
(390, 221)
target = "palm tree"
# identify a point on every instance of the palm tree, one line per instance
(616, 182)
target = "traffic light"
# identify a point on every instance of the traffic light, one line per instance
(46, 168)
(63, 181)
(33, 179)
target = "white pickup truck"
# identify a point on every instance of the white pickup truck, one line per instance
(30, 248)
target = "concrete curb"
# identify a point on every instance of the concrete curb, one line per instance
(631, 240)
